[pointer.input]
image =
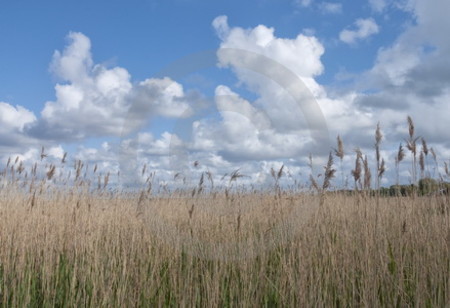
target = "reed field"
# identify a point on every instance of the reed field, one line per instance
(75, 244)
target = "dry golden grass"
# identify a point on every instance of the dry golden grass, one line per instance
(97, 249)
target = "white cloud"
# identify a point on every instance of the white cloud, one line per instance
(14, 121)
(15, 117)
(410, 77)
(266, 71)
(75, 61)
(98, 101)
(220, 24)
(363, 28)
(92, 100)
(273, 126)
(149, 145)
(331, 7)
(166, 97)
(393, 63)
(228, 101)
(56, 152)
(301, 54)
(414, 70)
(282, 131)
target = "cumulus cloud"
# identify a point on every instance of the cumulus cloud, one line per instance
(165, 97)
(362, 28)
(245, 132)
(280, 71)
(283, 128)
(228, 101)
(301, 54)
(74, 63)
(15, 118)
(94, 100)
(13, 122)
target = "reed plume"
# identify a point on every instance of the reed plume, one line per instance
(329, 172)
(339, 152)
(357, 171)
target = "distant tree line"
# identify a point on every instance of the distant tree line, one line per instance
(425, 187)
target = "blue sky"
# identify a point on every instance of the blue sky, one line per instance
(377, 60)
(143, 36)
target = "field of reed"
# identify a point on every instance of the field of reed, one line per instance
(83, 245)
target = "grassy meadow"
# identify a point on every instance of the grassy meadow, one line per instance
(75, 245)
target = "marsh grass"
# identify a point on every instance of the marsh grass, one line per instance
(83, 250)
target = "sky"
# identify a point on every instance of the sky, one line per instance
(249, 85)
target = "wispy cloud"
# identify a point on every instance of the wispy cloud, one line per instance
(378, 5)
(330, 7)
(303, 3)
